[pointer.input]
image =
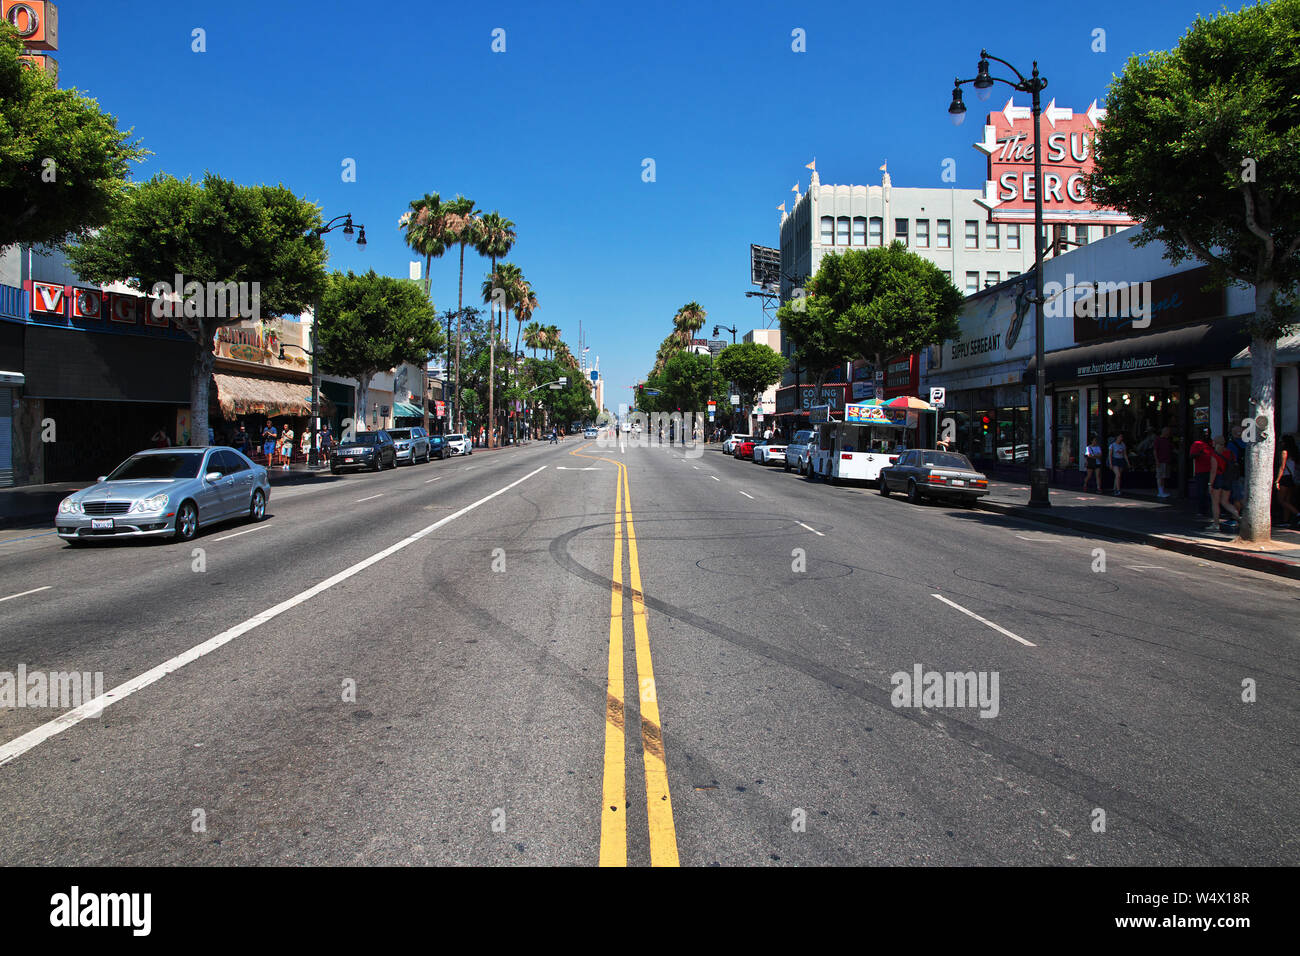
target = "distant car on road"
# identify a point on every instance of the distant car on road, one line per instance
(798, 449)
(459, 444)
(729, 446)
(412, 444)
(925, 474)
(373, 450)
(590, 433)
(166, 492)
(769, 452)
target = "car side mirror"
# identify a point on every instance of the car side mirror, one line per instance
(212, 476)
(101, 478)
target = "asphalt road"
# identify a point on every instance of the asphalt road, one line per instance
(746, 712)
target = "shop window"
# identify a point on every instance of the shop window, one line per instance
(990, 235)
(1198, 401)
(1066, 430)
(842, 231)
(859, 231)
(923, 233)
(900, 230)
(1108, 231)
(828, 231)
(943, 234)
(984, 429)
(1013, 431)
(1013, 236)
(1094, 415)
(1236, 402)
(877, 230)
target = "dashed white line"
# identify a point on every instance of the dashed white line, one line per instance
(982, 620)
(25, 593)
(370, 498)
(238, 533)
(812, 529)
(93, 708)
(748, 495)
(434, 479)
(715, 477)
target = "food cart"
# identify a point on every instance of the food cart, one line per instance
(870, 436)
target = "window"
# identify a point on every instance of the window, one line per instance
(990, 278)
(923, 233)
(972, 282)
(1067, 429)
(990, 235)
(1012, 275)
(1080, 235)
(972, 234)
(900, 230)
(842, 231)
(877, 230)
(1013, 237)
(859, 231)
(828, 231)
(943, 234)
(1108, 231)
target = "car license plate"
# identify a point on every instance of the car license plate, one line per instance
(101, 524)
(959, 481)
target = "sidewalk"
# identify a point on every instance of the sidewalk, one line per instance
(1172, 525)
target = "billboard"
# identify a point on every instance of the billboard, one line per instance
(764, 265)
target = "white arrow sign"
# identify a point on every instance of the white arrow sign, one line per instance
(1055, 113)
(1012, 112)
(1095, 115)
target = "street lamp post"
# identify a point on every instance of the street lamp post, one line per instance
(728, 328)
(313, 456)
(1034, 86)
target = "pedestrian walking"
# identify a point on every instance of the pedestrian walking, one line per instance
(269, 437)
(305, 445)
(1163, 450)
(240, 440)
(1221, 486)
(160, 439)
(1119, 460)
(1202, 451)
(1284, 482)
(1092, 462)
(286, 447)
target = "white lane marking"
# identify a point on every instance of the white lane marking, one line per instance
(1000, 630)
(813, 530)
(25, 593)
(565, 468)
(93, 708)
(439, 478)
(748, 495)
(238, 533)
(715, 477)
(370, 498)
(696, 467)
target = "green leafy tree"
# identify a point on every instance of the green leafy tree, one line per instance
(688, 381)
(752, 367)
(371, 323)
(1201, 144)
(496, 237)
(64, 163)
(211, 232)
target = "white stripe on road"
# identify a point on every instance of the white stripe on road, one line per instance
(434, 479)
(748, 495)
(715, 477)
(813, 530)
(92, 708)
(370, 498)
(25, 593)
(1000, 630)
(238, 533)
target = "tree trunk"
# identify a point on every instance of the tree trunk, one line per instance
(460, 324)
(1256, 517)
(492, 360)
(363, 394)
(200, 385)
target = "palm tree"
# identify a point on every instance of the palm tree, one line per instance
(552, 333)
(525, 306)
(688, 320)
(462, 229)
(534, 337)
(496, 237)
(426, 235)
(564, 356)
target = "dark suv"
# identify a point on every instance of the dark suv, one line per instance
(373, 450)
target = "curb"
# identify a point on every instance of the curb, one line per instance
(1252, 562)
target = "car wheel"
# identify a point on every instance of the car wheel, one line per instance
(187, 521)
(335, 471)
(913, 494)
(257, 507)
(379, 463)
(884, 487)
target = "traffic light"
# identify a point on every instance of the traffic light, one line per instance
(985, 422)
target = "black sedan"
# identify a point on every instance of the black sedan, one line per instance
(438, 447)
(372, 450)
(944, 475)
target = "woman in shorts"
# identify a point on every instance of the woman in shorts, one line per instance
(1092, 461)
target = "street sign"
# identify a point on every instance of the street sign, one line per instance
(937, 396)
(735, 399)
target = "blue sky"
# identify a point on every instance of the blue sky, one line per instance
(552, 132)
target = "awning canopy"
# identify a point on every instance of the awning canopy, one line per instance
(407, 410)
(1189, 347)
(1288, 352)
(245, 395)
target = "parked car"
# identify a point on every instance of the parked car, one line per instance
(590, 433)
(459, 444)
(769, 452)
(373, 450)
(745, 449)
(412, 444)
(166, 492)
(798, 448)
(729, 446)
(438, 447)
(925, 474)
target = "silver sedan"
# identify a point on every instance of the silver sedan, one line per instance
(168, 492)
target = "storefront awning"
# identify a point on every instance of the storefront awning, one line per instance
(407, 410)
(1156, 353)
(1288, 352)
(245, 395)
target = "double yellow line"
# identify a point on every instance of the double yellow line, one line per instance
(659, 804)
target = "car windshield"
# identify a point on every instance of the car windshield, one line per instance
(364, 438)
(397, 434)
(181, 464)
(435, 440)
(947, 459)
(455, 437)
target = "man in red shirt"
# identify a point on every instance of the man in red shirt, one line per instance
(1202, 452)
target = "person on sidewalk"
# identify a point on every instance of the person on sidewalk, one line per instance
(1092, 461)
(1163, 450)
(286, 447)
(1119, 460)
(269, 443)
(1238, 449)
(1221, 486)
(1284, 482)
(1202, 451)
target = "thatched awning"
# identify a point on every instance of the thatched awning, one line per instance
(245, 395)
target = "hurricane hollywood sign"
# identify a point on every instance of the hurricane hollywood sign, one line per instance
(1068, 159)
